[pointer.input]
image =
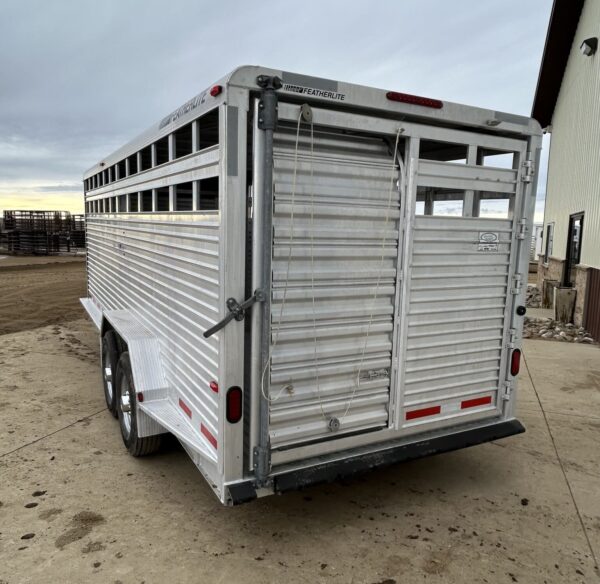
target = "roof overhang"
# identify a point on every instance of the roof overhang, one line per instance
(559, 39)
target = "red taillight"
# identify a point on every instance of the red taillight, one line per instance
(515, 362)
(234, 404)
(216, 90)
(414, 99)
(214, 386)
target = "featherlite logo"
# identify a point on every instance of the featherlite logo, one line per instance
(314, 92)
(184, 109)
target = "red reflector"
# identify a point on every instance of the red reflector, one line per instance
(477, 401)
(206, 432)
(185, 408)
(216, 90)
(432, 411)
(214, 386)
(234, 404)
(140, 396)
(515, 362)
(414, 99)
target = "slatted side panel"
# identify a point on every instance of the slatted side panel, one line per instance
(165, 269)
(337, 242)
(455, 320)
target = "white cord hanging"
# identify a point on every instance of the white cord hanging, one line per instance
(382, 259)
(287, 272)
(289, 259)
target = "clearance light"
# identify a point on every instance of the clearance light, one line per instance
(234, 404)
(216, 90)
(414, 99)
(214, 386)
(515, 362)
(140, 396)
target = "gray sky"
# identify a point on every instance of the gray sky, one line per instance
(80, 77)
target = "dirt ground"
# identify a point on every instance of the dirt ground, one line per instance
(75, 507)
(39, 291)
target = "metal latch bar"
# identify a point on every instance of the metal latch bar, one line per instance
(237, 311)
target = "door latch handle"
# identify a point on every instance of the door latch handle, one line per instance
(237, 311)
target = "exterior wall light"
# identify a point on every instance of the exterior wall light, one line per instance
(589, 46)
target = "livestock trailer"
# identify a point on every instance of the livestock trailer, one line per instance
(302, 278)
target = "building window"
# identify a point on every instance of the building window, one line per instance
(208, 194)
(121, 168)
(122, 204)
(162, 199)
(549, 242)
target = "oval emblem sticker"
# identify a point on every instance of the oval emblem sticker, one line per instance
(488, 241)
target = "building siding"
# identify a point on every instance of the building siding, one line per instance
(574, 165)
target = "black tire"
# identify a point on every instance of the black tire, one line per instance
(127, 412)
(109, 361)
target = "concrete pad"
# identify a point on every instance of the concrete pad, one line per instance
(496, 513)
(567, 375)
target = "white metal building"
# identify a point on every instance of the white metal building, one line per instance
(567, 104)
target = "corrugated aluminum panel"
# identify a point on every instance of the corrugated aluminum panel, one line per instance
(456, 317)
(340, 209)
(574, 165)
(165, 270)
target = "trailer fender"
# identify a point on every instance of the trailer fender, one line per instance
(146, 365)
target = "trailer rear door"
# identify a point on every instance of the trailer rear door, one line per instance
(391, 297)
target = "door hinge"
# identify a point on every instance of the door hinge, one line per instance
(512, 333)
(237, 311)
(522, 233)
(528, 171)
(507, 391)
(517, 284)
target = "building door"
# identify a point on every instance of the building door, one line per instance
(573, 248)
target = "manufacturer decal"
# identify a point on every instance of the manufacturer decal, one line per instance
(488, 241)
(188, 106)
(313, 91)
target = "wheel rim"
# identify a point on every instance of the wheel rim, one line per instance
(125, 405)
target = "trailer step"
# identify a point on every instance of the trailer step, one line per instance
(173, 420)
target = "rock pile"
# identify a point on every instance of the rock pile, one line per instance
(533, 298)
(548, 328)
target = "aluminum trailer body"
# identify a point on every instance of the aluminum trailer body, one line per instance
(302, 278)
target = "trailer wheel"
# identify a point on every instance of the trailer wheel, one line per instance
(110, 358)
(126, 408)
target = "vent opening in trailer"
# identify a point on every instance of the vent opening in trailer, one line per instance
(305, 279)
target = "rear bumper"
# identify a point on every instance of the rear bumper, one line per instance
(358, 464)
(354, 464)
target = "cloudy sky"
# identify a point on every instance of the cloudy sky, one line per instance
(79, 78)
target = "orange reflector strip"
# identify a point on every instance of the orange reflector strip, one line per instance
(478, 401)
(208, 435)
(432, 411)
(185, 408)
